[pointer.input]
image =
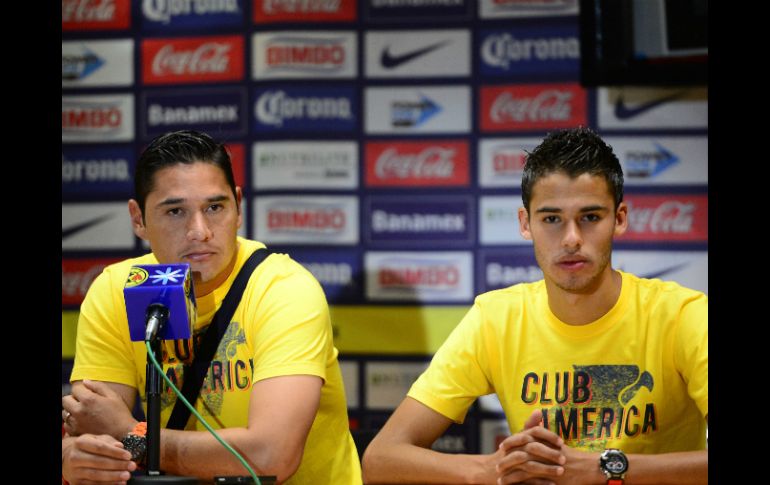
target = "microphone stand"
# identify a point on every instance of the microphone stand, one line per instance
(153, 389)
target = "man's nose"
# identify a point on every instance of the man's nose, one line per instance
(573, 238)
(198, 229)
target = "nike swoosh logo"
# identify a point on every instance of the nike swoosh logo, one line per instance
(72, 230)
(663, 272)
(390, 61)
(623, 112)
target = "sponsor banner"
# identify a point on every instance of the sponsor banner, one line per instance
(312, 11)
(200, 15)
(688, 268)
(303, 165)
(499, 220)
(527, 8)
(662, 160)
(552, 50)
(238, 161)
(77, 276)
(417, 10)
(388, 382)
(97, 63)
(501, 160)
(304, 54)
(97, 118)
(95, 15)
(97, 170)
(418, 109)
(349, 370)
(306, 109)
(652, 107)
(501, 268)
(339, 273)
(666, 218)
(519, 107)
(184, 60)
(96, 226)
(401, 163)
(306, 220)
(419, 220)
(418, 53)
(492, 432)
(436, 276)
(218, 111)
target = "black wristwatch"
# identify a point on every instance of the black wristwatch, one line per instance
(614, 464)
(136, 445)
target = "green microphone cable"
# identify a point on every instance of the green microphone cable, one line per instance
(151, 354)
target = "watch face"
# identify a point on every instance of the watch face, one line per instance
(614, 462)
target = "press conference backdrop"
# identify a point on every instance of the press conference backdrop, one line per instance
(380, 143)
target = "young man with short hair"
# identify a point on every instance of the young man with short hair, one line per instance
(603, 376)
(274, 391)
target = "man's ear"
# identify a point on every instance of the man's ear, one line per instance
(524, 228)
(238, 199)
(621, 219)
(137, 221)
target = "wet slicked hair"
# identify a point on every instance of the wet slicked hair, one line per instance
(186, 146)
(574, 151)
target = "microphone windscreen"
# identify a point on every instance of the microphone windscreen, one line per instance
(167, 284)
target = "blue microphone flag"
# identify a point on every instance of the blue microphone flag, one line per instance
(167, 284)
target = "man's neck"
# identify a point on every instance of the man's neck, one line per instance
(582, 308)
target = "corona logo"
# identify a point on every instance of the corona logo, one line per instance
(136, 276)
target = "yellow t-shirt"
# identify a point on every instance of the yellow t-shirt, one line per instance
(281, 327)
(635, 379)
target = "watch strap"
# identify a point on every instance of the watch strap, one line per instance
(615, 481)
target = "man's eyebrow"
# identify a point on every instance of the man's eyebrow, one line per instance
(217, 198)
(588, 208)
(548, 209)
(171, 201)
(594, 208)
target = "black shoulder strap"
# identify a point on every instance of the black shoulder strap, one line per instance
(197, 370)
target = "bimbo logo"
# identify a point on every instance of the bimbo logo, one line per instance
(91, 116)
(419, 274)
(508, 160)
(299, 53)
(274, 107)
(164, 10)
(313, 218)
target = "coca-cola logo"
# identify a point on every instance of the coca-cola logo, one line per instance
(430, 163)
(672, 217)
(87, 10)
(548, 105)
(75, 284)
(208, 58)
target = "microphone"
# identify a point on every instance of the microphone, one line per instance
(160, 302)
